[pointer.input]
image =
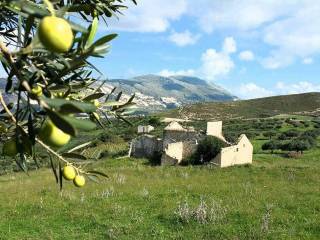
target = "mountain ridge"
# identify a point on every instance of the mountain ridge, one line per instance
(173, 91)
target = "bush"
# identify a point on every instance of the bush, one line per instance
(296, 145)
(271, 145)
(208, 149)
(289, 134)
(154, 121)
(231, 137)
(309, 139)
(251, 134)
(293, 154)
(156, 159)
(270, 134)
(312, 133)
(306, 124)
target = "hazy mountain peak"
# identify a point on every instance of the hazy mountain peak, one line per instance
(173, 91)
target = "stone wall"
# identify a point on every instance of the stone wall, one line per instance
(174, 153)
(215, 129)
(145, 129)
(146, 146)
(179, 136)
(236, 154)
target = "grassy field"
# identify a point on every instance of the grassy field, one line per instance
(275, 198)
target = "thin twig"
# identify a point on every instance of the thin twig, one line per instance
(4, 105)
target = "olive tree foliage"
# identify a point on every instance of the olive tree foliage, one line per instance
(63, 77)
(208, 148)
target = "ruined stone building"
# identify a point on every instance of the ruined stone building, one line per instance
(179, 143)
(145, 129)
(241, 153)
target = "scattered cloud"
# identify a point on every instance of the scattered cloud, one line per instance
(296, 36)
(289, 28)
(277, 59)
(149, 16)
(251, 90)
(168, 73)
(307, 61)
(229, 45)
(214, 63)
(300, 87)
(243, 15)
(246, 55)
(184, 38)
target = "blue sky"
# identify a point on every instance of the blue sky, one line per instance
(252, 48)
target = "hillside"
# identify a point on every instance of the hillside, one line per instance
(169, 92)
(155, 93)
(306, 103)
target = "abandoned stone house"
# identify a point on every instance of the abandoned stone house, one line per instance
(145, 129)
(179, 143)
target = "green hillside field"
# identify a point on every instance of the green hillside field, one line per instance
(306, 103)
(274, 198)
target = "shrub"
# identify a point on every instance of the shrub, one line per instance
(296, 124)
(203, 213)
(231, 137)
(309, 139)
(306, 124)
(312, 133)
(208, 148)
(296, 145)
(271, 145)
(154, 121)
(289, 134)
(270, 134)
(293, 154)
(251, 134)
(156, 158)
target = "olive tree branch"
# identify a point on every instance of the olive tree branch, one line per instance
(5, 107)
(8, 56)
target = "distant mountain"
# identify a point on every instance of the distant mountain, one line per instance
(160, 92)
(301, 104)
(154, 93)
(7, 97)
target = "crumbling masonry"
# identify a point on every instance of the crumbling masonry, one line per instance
(180, 143)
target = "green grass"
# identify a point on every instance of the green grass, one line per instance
(275, 198)
(255, 108)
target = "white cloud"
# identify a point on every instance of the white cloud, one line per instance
(251, 90)
(184, 38)
(229, 45)
(246, 55)
(277, 59)
(300, 87)
(241, 15)
(296, 36)
(215, 64)
(149, 16)
(168, 73)
(307, 61)
(289, 27)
